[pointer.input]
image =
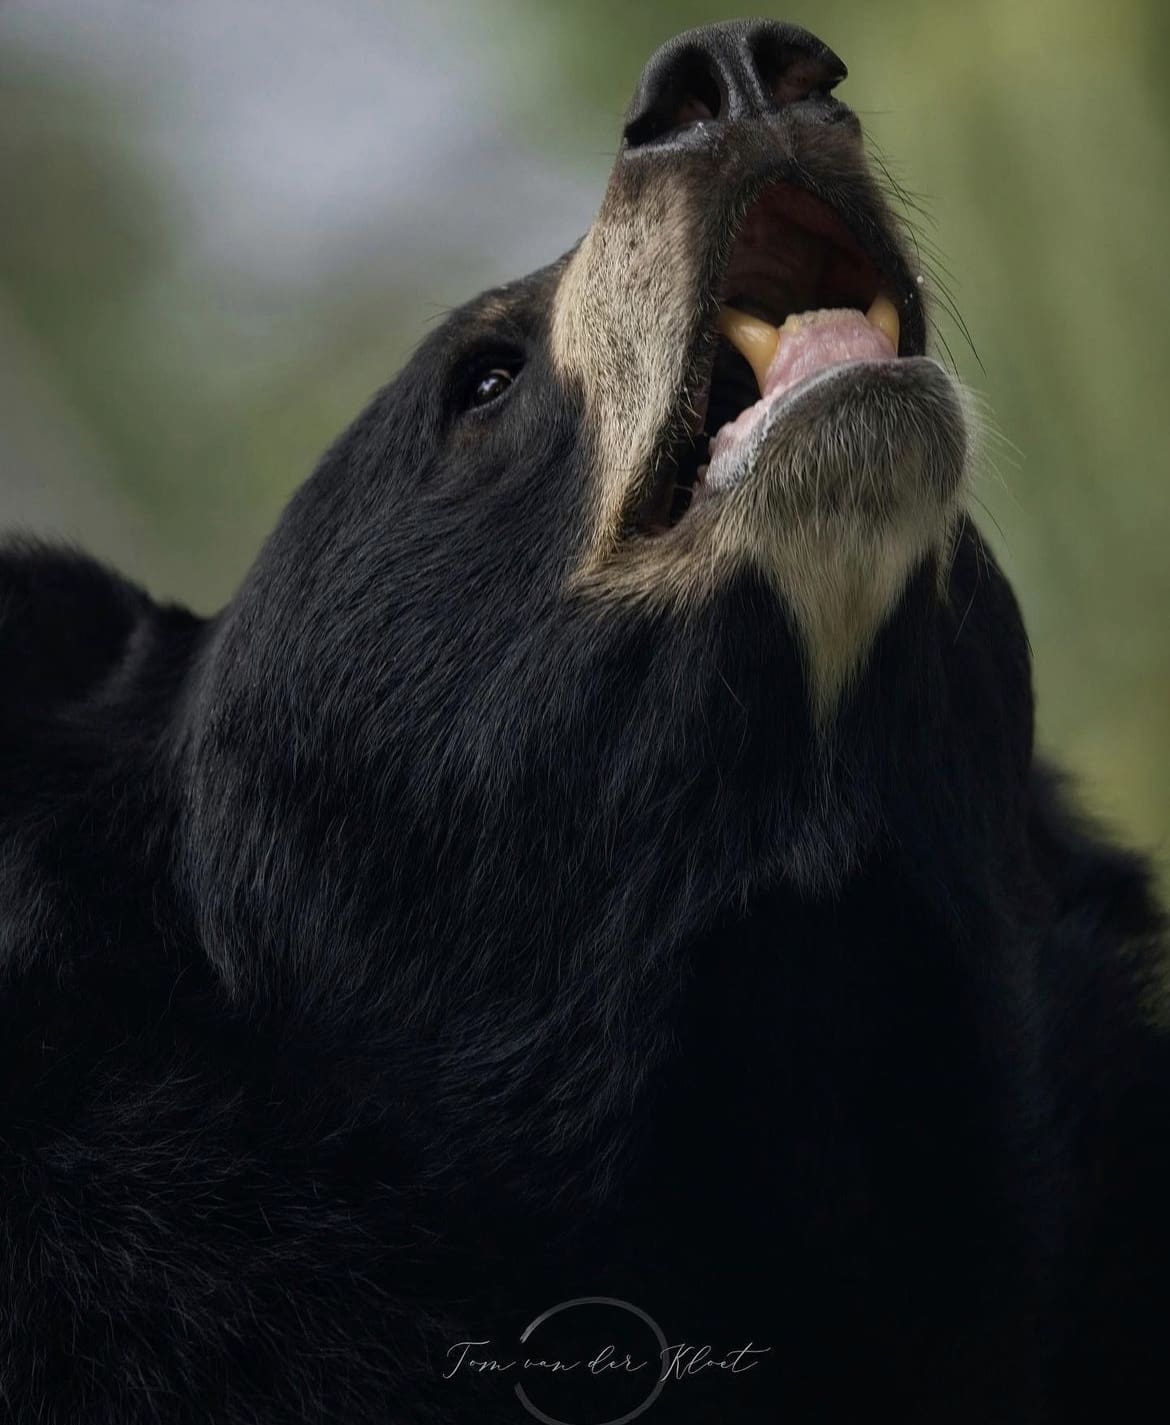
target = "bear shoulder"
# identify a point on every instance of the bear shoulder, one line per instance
(89, 667)
(65, 621)
(75, 638)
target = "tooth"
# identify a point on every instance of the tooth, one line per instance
(884, 315)
(756, 341)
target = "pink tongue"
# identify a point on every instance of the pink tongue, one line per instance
(824, 339)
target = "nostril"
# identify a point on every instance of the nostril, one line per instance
(688, 91)
(791, 71)
(725, 74)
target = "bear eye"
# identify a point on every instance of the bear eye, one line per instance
(491, 386)
(489, 382)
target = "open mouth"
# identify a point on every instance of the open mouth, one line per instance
(799, 296)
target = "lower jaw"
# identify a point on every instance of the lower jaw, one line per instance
(734, 443)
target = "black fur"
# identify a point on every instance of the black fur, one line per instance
(413, 947)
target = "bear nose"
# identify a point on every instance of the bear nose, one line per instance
(724, 73)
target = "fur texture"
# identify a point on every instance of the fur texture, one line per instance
(436, 936)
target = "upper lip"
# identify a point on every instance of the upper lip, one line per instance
(791, 245)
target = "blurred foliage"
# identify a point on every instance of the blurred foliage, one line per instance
(208, 399)
(1034, 141)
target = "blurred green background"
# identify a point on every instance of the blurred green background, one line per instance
(223, 225)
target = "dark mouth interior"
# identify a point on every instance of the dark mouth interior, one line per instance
(791, 253)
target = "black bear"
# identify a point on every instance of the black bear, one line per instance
(583, 934)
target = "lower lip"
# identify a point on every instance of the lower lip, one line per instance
(734, 440)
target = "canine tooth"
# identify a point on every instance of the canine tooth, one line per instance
(756, 341)
(884, 315)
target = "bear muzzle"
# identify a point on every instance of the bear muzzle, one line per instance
(747, 334)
